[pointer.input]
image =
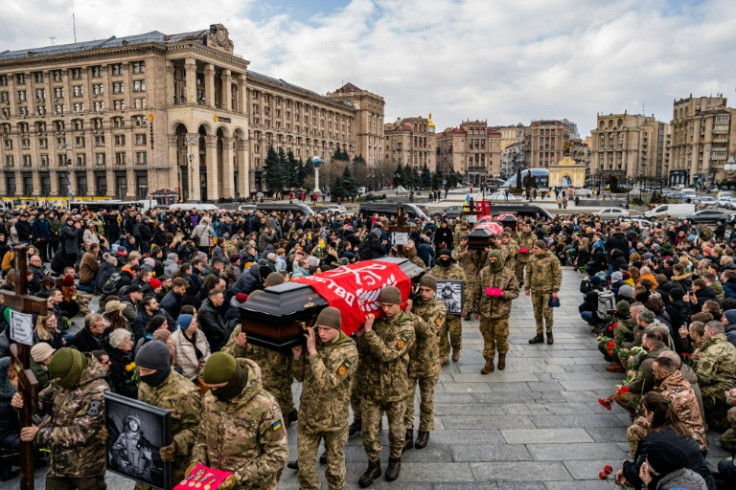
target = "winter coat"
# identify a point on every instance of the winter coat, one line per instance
(249, 280)
(186, 356)
(172, 304)
(70, 240)
(103, 274)
(121, 372)
(170, 265)
(211, 323)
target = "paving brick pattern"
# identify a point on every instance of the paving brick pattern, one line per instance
(536, 425)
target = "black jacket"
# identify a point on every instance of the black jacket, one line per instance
(249, 281)
(211, 323)
(70, 239)
(120, 378)
(84, 341)
(172, 304)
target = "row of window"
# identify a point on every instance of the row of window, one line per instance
(116, 69)
(79, 142)
(141, 158)
(59, 126)
(77, 107)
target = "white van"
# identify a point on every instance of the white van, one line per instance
(689, 194)
(671, 210)
(723, 194)
(188, 206)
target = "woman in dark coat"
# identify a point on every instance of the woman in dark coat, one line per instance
(123, 372)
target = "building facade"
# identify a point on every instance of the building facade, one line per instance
(629, 146)
(547, 139)
(513, 159)
(124, 117)
(703, 137)
(411, 142)
(473, 149)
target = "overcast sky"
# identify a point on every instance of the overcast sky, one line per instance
(503, 61)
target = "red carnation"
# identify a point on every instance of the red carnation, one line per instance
(602, 476)
(608, 469)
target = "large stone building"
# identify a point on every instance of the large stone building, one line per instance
(472, 149)
(410, 141)
(127, 116)
(703, 138)
(547, 139)
(629, 146)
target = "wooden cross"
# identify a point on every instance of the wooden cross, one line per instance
(400, 227)
(20, 354)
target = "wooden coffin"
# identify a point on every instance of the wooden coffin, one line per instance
(277, 318)
(480, 238)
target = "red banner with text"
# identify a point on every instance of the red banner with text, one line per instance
(355, 289)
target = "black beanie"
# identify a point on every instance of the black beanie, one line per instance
(154, 355)
(665, 457)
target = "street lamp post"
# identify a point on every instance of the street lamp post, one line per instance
(190, 168)
(66, 148)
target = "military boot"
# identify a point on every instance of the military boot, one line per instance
(422, 439)
(444, 361)
(488, 368)
(456, 355)
(293, 465)
(501, 362)
(537, 339)
(354, 427)
(550, 338)
(394, 468)
(408, 439)
(323, 458)
(373, 472)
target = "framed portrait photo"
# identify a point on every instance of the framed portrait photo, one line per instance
(137, 432)
(452, 294)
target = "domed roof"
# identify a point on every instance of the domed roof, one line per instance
(430, 123)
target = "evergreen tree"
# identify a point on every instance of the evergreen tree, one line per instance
(416, 179)
(398, 175)
(518, 180)
(306, 170)
(613, 184)
(426, 178)
(272, 167)
(292, 170)
(435, 182)
(337, 190)
(348, 183)
(452, 179)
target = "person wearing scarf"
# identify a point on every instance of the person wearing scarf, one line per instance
(76, 432)
(165, 388)
(242, 429)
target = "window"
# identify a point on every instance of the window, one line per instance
(20, 79)
(45, 162)
(77, 91)
(118, 87)
(117, 69)
(120, 158)
(3, 80)
(40, 94)
(78, 106)
(76, 73)
(26, 160)
(96, 71)
(25, 144)
(140, 139)
(9, 161)
(4, 98)
(41, 110)
(100, 159)
(23, 111)
(119, 140)
(118, 122)
(21, 95)
(141, 157)
(97, 89)
(78, 124)
(119, 105)
(58, 93)
(139, 103)
(59, 109)
(139, 86)
(43, 143)
(97, 123)
(139, 121)
(8, 144)
(79, 141)
(99, 141)
(139, 67)
(99, 106)
(56, 75)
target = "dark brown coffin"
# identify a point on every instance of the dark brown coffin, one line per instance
(480, 238)
(277, 318)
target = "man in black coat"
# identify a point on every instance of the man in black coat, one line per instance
(171, 303)
(150, 309)
(70, 237)
(618, 240)
(210, 320)
(92, 336)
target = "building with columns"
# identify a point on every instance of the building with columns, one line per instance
(123, 117)
(473, 149)
(411, 142)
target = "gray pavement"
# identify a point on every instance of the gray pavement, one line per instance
(536, 425)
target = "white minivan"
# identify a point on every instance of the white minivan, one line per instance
(689, 194)
(671, 210)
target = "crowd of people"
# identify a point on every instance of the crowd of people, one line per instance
(160, 295)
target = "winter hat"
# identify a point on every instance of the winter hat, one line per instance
(329, 317)
(241, 297)
(626, 291)
(540, 244)
(429, 281)
(623, 308)
(183, 322)
(67, 364)
(219, 368)
(391, 295)
(274, 279)
(617, 276)
(730, 316)
(155, 283)
(595, 281)
(445, 251)
(678, 294)
(41, 351)
(665, 457)
(154, 355)
(114, 305)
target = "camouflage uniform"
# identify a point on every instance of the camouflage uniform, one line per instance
(384, 354)
(424, 362)
(495, 311)
(183, 400)
(275, 368)
(513, 248)
(453, 323)
(415, 259)
(544, 278)
(716, 374)
(523, 240)
(728, 438)
(245, 435)
(323, 409)
(73, 434)
(642, 383)
(472, 262)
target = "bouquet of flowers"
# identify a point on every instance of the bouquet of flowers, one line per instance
(606, 402)
(607, 472)
(636, 355)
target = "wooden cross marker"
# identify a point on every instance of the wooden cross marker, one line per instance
(400, 227)
(20, 354)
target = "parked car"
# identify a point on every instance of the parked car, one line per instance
(330, 208)
(361, 190)
(641, 222)
(612, 213)
(671, 210)
(725, 202)
(501, 196)
(708, 201)
(708, 216)
(450, 212)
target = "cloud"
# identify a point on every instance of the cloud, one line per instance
(504, 61)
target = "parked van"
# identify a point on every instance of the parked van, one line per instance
(392, 209)
(723, 194)
(671, 210)
(689, 194)
(294, 207)
(188, 206)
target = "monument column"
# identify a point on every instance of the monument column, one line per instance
(209, 85)
(195, 190)
(226, 90)
(228, 171)
(190, 65)
(213, 178)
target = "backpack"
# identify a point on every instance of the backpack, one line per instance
(111, 285)
(364, 249)
(606, 301)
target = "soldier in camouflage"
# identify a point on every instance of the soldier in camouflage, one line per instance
(384, 353)
(472, 262)
(494, 292)
(275, 367)
(163, 387)
(410, 252)
(716, 372)
(424, 360)
(447, 268)
(544, 279)
(525, 240)
(728, 438)
(513, 249)
(323, 407)
(76, 432)
(241, 430)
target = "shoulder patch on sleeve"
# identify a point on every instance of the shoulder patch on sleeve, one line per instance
(402, 341)
(343, 369)
(276, 425)
(439, 319)
(94, 408)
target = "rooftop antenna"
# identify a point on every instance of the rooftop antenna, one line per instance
(74, 23)
(643, 109)
(52, 40)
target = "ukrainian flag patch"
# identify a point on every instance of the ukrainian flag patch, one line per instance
(276, 425)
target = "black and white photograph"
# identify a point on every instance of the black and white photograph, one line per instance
(137, 432)
(452, 293)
